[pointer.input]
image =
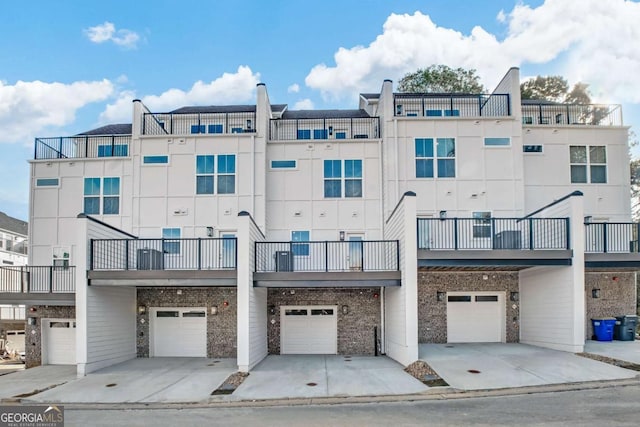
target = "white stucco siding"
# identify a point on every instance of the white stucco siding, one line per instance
(548, 174)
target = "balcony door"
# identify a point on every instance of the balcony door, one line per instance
(228, 252)
(356, 251)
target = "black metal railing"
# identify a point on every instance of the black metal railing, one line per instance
(164, 254)
(198, 123)
(451, 105)
(84, 146)
(571, 114)
(38, 279)
(336, 128)
(611, 237)
(493, 233)
(340, 256)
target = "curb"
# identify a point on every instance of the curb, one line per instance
(434, 394)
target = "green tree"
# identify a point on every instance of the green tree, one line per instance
(441, 79)
(555, 89)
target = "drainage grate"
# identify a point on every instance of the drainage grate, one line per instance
(111, 385)
(312, 384)
(449, 346)
(473, 371)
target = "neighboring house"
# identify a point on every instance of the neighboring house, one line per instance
(247, 230)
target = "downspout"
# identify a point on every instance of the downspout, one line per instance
(381, 195)
(253, 174)
(397, 157)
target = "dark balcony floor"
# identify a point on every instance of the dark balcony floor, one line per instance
(327, 279)
(163, 277)
(493, 258)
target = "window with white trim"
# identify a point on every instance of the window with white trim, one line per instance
(342, 177)
(102, 193)
(300, 249)
(588, 163)
(220, 174)
(169, 246)
(61, 256)
(481, 224)
(442, 165)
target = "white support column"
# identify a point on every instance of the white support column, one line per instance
(243, 288)
(81, 262)
(410, 276)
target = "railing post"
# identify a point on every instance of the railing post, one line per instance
(480, 105)
(200, 253)
(455, 233)
(326, 256)
(568, 121)
(362, 255)
(540, 113)
(604, 238)
(397, 255)
(530, 233)
(637, 245)
(126, 254)
(60, 148)
(567, 227)
(51, 279)
(144, 123)
(508, 104)
(171, 123)
(255, 256)
(91, 266)
(493, 233)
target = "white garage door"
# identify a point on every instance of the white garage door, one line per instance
(475, 317)
(308, 330)
(59, 336)
(179, 332)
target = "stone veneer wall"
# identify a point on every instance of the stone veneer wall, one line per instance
(355, 329)
(222, 330)
(617, 297)
(432, 314)
(33, 333)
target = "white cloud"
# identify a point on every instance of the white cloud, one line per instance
(303, 104)
(26, 108)
(230, 88)
(590, 40)
(294, 88)
(107, 32)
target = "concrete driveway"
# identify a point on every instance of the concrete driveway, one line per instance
(290, 376)
(492, 366)
(629, 351)
(29, 381)
(175, 379)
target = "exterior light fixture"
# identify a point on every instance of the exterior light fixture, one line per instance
(595, 293)
(142, 310)
(226, 303)
(31, 321)
(443, 214)
(345, 309)
(376, 295)
(515, 296)
(214, 310)
(272, 309)
(209, 231)
(440, 296)
(342, 236)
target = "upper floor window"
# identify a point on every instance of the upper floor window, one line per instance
(588, 164)
(168, 246)
(155, 160)
(342, 177)
(223, 173)
(442, 165)
(300, 249)
(103, 193)
(283, 164)
(481, 224)
(115, 150)
(47, 182)
(497, 142)
(61, 256)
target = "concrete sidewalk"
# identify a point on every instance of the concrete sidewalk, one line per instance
(31, 380)
(308, 376)
(492, 366)
(629, 351)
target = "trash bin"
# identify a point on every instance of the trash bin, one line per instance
(603, 328)
(625, 329)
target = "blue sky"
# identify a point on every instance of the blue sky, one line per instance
(69, 66)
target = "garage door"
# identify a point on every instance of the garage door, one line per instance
(179, 332)
(475, 317)
(60, 341)
(308, 330)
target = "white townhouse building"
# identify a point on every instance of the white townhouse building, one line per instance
(247, 230)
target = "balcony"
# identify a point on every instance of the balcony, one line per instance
(612, 244)
(544, 113)
(82, 147)
(216, 123)
(517, 242)
(434, 106)
(197, 262)
(324, 129)
(327, 263)
(38, 285)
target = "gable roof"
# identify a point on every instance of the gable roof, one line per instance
(13, 225)
(113, 129)
(215, 109)
(325, 114)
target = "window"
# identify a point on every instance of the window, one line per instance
(236, 130)
(198, 128)
(482, 224)
(527, 120)
(532, 148)
(341, 135)
(155, 160)
(335, 181)
(226, 174)
(61, 256)
(433, 113)
(446, 153)
(170, 247)
(304, 133)
(47, 182)
(424, 157)
(117, 150)
(110, 196)
(204, 174)
(452, 113)
(283, 164)
(300, 249)
(320, 134)
(495, 142)
(215, 128)
(588, 164)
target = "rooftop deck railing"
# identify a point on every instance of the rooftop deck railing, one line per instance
(451, 105)
(493, 233)
(163, 254)
(198, 123)
(611, 237)
(571, 114)
(84, 146)
(38, 279)
(324, 129)
(340, 256)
